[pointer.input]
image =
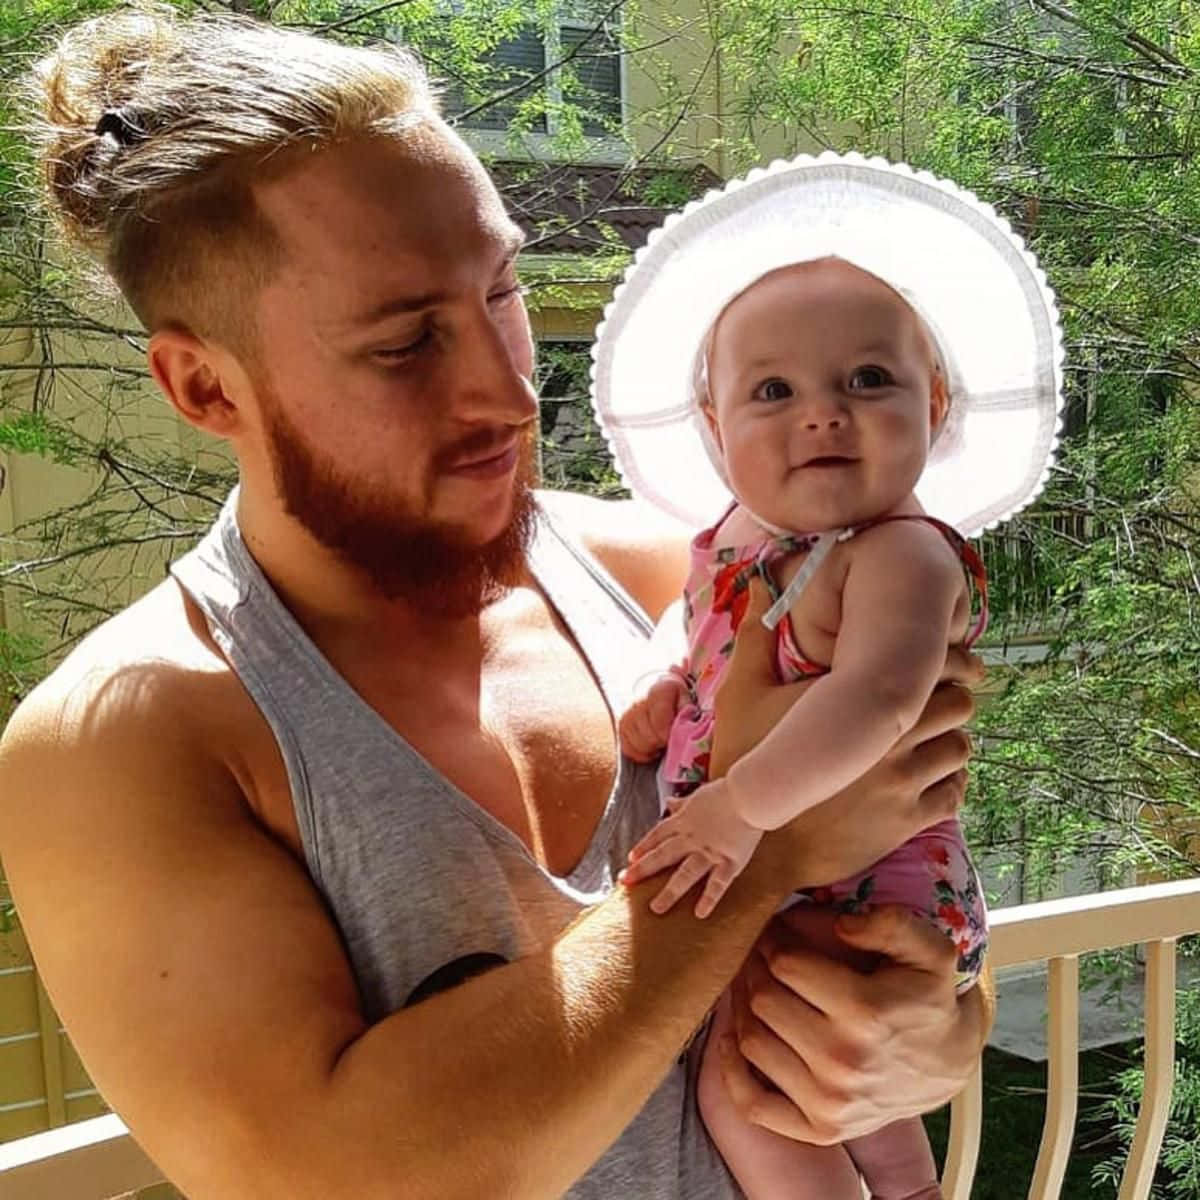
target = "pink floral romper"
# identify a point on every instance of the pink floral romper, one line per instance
(932, 874)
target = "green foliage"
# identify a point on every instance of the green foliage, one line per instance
(1078, 120)
(1178, 1177)
(34, 433)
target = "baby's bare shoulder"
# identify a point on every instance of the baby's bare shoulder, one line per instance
(908, 546)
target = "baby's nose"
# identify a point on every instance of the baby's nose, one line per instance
(826, 419)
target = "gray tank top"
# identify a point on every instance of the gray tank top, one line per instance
(427, 888)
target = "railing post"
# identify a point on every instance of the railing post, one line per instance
(1159, 1081)
(1062, 1079)
(966, 1129)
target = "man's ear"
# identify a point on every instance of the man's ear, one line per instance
(939, 402)
(198, 379)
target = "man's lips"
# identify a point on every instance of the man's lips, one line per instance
(488, 464)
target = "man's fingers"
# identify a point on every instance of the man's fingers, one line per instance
(949, 707)
(963, 667)
(687, 875)
(939, 758)
(808, 975)
(750, 663)
(942, 800)
(901, 937)
(809, 1107)
(771, 1110)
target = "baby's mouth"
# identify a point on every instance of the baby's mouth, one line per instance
(829, 460)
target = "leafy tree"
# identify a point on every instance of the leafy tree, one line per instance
(1078, 119)
(72, 366)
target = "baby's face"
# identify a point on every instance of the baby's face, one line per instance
(824, 394)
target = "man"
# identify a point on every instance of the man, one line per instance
(315, 843)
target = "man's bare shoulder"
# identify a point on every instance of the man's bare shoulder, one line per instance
(147, 668)
(645, 550)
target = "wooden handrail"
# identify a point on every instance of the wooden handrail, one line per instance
(98, 1159)
(88, 1160)
(1058, 931)
(1080, 924)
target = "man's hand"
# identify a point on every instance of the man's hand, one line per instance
(706, 837)
(920, 782)
(646, 724)
(849, 1052)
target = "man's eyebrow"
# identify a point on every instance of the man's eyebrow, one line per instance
(514, 242)
(511, 243)
(396, 306)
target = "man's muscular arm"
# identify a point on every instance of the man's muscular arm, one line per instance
(208, 993)
(210, 997)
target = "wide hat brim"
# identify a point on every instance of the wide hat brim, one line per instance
(959, 264)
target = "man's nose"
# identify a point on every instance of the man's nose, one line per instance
(492, 384)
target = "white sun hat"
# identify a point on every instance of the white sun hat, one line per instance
(981, 294)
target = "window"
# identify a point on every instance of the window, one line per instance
(573, 68)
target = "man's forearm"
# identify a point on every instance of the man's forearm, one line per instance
(515, 1083)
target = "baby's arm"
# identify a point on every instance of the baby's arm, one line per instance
(644, 726)
(898, 601)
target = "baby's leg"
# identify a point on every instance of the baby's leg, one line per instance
(766, 1165)
(896, 1162)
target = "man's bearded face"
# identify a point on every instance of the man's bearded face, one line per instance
(430, 566)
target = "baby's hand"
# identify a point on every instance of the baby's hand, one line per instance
(706, 837)
(646, 723)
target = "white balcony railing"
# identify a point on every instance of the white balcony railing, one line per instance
(97, 1159)
(1057, 932)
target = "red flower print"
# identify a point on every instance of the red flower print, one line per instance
(936, 852)
(730, 593)
(953, 917)
(820, 895)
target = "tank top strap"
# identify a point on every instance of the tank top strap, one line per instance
(972, 563)
(818, 546)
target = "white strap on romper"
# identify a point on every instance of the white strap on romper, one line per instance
(816, 556)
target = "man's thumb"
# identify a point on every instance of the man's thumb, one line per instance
(900, 936)
(754, 643)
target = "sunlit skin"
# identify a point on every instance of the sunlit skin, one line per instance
(394, 340)
(824, 395)
(148, 823)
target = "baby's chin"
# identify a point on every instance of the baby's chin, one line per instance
(818, 516)
(811, 517)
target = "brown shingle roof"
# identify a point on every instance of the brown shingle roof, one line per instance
(582, 209)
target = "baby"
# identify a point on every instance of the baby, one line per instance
(811, 349)
(821, 390)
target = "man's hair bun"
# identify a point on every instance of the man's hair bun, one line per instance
(150, 127)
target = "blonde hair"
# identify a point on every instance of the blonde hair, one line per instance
(151, 128)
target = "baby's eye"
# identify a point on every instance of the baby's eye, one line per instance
(863, 379)
(773, 389)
